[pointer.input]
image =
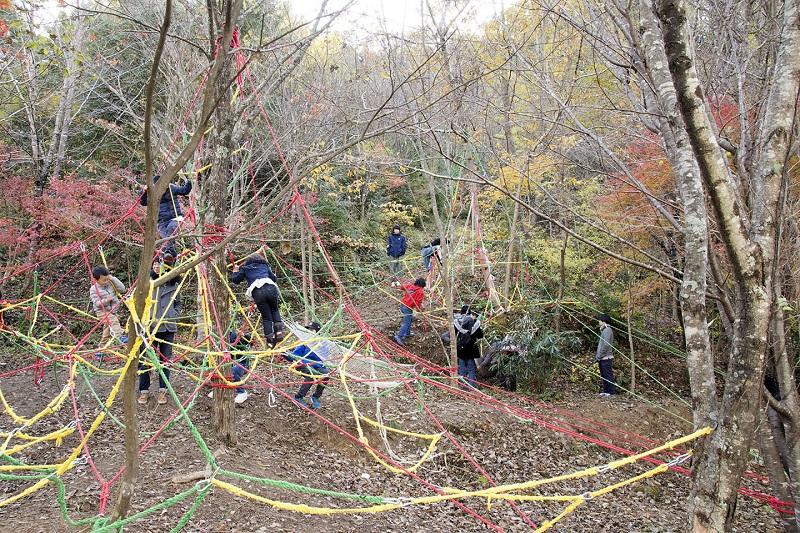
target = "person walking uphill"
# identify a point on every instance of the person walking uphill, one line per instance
(105, 301)
(263, 290)
(412, 301)
(169, 212)
(468, 334)
(605, 356)
(396, 249)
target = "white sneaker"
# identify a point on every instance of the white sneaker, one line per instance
(605, 395)
(240, 398)
(210, 394)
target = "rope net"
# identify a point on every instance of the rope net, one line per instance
(366, 370)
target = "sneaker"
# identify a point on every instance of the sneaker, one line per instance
(241, 398)
(210, 395)
(162, 397)
(142, 398)
(399, 341)
(605, 395)
(315, 403)
(299, 400)
(279, 336)
(123, 339)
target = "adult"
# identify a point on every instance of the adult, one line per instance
(468, 335)
(396, 249)
(488, 369)
(165, 323)
(605, 356)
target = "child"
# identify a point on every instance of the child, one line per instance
(312, 356)
(468, 332)
(103, 293)
(240, 341)
(412, 301)
(395, 249)
(169, 211)
(166, 322)
(264, 292)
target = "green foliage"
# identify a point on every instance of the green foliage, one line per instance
(541, 356)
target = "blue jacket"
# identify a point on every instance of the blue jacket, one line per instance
(306, 356)
(396, 245)
(169, 207)
(253, 269)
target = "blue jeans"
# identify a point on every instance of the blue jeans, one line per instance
(466, 369)
(408, 317)
(241, 366)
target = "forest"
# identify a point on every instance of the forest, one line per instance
(542, 257)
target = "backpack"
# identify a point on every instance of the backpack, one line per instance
(464, 338)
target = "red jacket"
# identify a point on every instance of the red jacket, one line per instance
(413, 296)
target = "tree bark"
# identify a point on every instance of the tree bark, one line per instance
(221, 147)
(750, 245)
(143, 285)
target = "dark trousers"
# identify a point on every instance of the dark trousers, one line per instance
(266, 299)
(163, 346)
(310, 378)
(166, 229)
(607, 375)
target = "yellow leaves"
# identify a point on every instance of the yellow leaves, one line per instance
(397, 213)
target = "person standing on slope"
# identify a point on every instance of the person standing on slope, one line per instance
(396, 249)
(605, 356)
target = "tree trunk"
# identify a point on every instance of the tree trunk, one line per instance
(143, 284)
(447, 280)
(486, 265)
(750, 245)
(628, 312)
(222, 147)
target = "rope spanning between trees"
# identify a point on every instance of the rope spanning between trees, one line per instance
(212, 370)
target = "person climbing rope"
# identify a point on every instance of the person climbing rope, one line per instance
(468, 333)
(165, 320)
(103, 293)
(169, 212)
(413, 295)
(263, 290)
(310, 358)
(605, 356)
(396, 249)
